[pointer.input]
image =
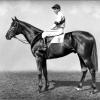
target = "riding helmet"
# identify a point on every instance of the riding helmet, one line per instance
(56, 6)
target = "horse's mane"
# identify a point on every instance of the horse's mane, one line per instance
(31, 26)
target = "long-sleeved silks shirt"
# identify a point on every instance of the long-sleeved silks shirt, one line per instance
(58, 26)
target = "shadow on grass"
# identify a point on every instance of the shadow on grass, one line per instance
(58, 84)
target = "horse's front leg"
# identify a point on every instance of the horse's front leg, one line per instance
(44, 66)
(39, 67)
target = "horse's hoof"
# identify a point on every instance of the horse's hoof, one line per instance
(93, 91)
(39, 89)
(78, 89)
(46, 88)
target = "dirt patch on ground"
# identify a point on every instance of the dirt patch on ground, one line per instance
(23, 86)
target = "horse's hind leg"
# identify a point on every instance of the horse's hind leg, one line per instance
(44, 66)
(93, 73)
(84, 71)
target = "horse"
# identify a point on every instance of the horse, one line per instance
(80, 42)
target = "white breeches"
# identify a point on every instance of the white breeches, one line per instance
(52, 32)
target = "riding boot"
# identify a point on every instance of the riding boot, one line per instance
(44, 44)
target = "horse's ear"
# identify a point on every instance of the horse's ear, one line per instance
(12, 19)
(16, 18)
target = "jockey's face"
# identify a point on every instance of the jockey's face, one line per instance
(56, 11)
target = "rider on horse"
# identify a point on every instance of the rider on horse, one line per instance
(58, 26)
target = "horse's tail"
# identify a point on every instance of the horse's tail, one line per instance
(94, 56)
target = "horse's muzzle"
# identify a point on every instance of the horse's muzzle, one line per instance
(8, 37)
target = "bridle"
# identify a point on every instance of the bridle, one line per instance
(23, 41)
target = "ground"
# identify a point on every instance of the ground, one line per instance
(23, 86)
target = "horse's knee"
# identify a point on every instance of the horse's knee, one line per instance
(39, 72)
(39, 76)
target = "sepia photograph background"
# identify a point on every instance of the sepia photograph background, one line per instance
(80, 15)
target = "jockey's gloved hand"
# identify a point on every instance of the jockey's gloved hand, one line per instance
(54, 28)
(56, 23)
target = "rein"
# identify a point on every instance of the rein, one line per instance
(23, 41)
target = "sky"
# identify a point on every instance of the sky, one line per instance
(16, 56)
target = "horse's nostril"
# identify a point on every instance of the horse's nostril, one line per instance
(7, 37)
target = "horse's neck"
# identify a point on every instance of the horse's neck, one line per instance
(36, 40)
(30, 33)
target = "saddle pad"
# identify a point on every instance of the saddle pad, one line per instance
(58, 39)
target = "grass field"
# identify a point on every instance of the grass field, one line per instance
(23, 86)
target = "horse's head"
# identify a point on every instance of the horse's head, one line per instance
(20, 27)
(13, 30)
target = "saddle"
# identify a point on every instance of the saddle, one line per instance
(51, 39)
(55, 39)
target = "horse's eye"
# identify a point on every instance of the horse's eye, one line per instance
(14, 25)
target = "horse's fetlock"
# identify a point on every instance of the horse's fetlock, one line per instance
(80, 85)
(92, 71)
(93, 86)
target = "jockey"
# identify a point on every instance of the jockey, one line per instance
(58, 26)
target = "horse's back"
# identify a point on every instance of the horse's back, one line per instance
(83, 35)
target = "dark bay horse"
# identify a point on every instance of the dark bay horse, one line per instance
(80, 42)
